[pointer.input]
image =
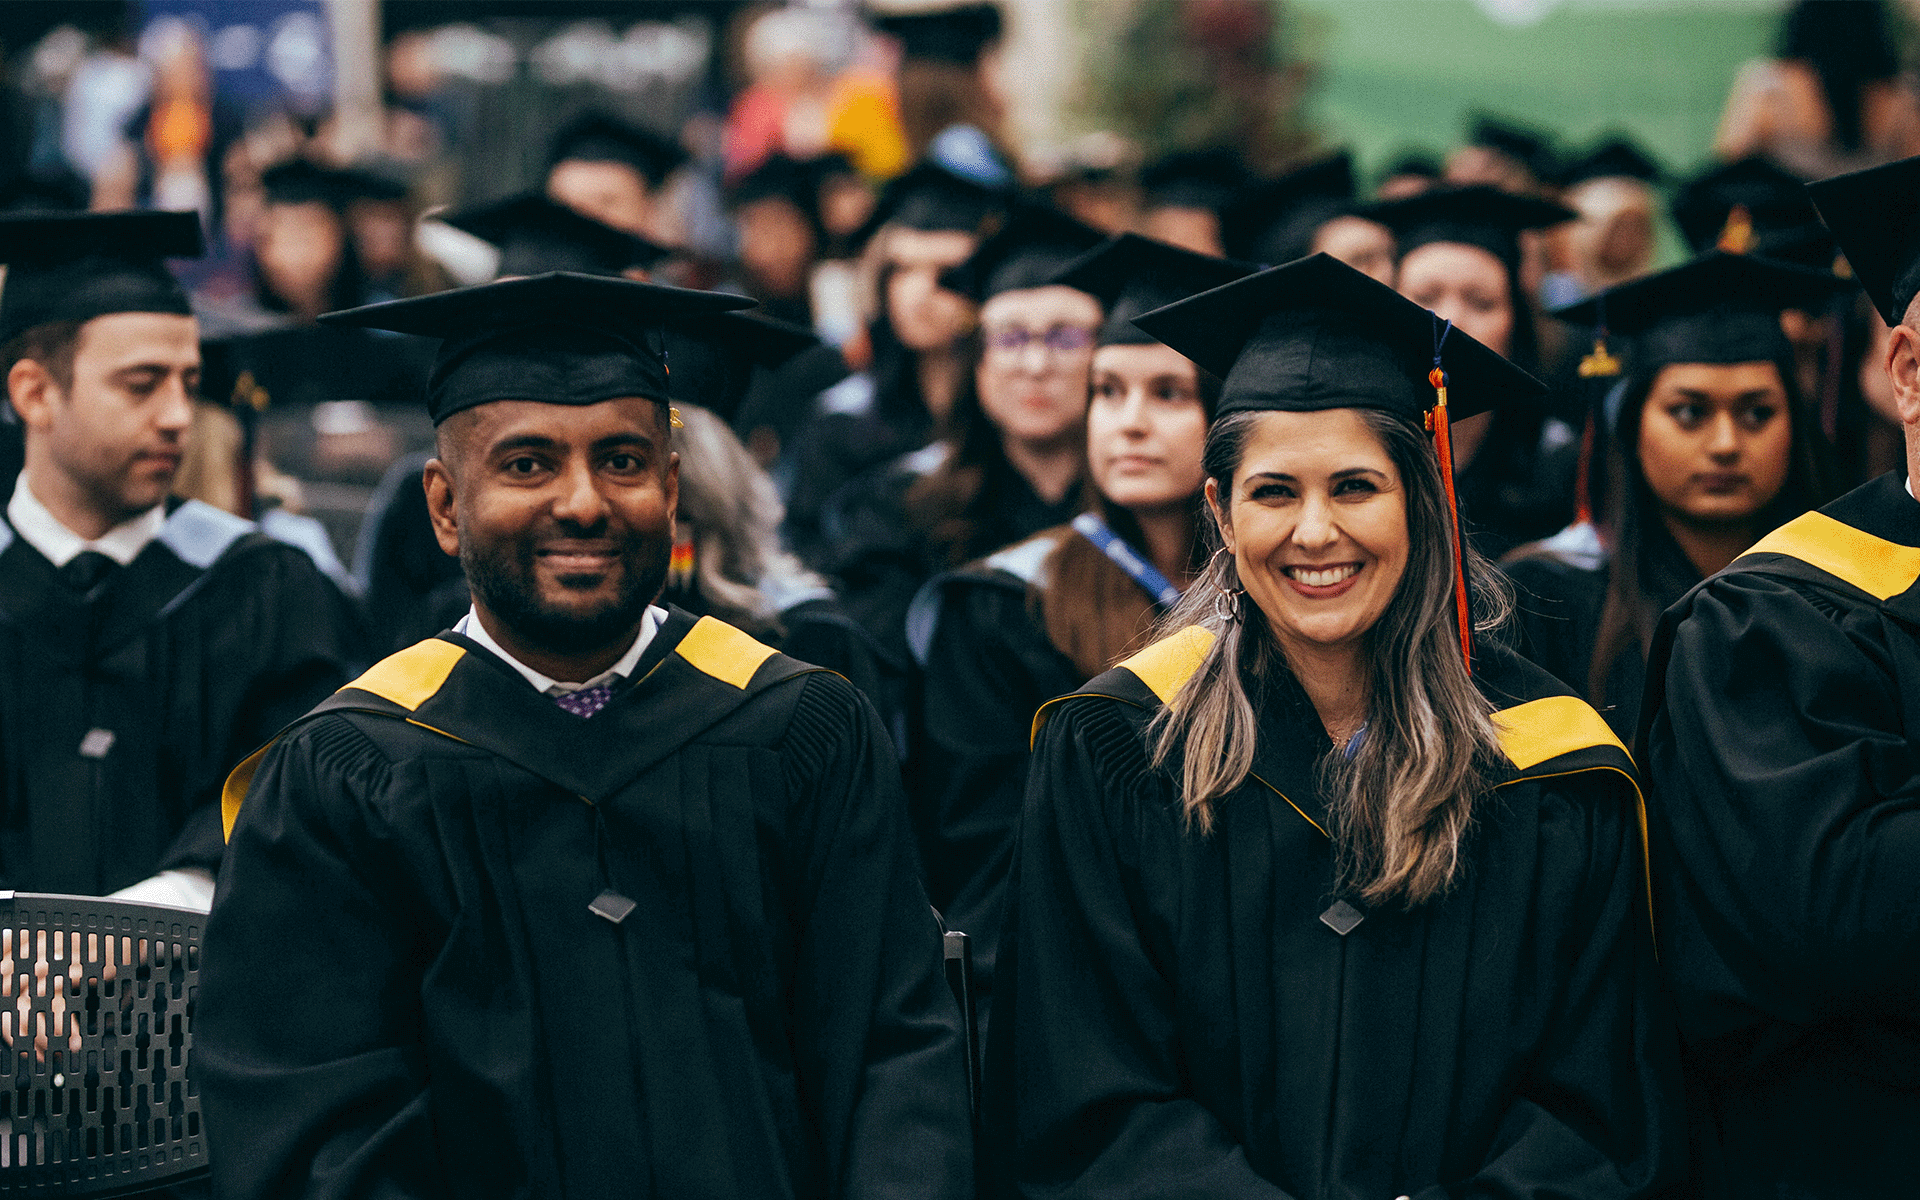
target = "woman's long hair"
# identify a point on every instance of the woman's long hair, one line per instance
(1093, 612)
(1402, 806)
(1648, 571)
(740, 569)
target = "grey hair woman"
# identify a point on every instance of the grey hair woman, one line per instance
(1320, 894)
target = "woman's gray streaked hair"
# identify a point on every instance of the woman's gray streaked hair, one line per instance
(1402, 805)
(730, 506)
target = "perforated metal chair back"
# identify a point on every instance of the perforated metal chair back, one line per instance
(96, 1019)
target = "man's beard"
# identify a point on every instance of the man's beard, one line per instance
(503, 576)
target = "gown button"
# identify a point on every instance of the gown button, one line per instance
(1342, 918)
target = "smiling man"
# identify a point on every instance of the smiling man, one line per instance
(584, 897)
(147, 644)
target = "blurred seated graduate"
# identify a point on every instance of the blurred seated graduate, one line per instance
(535, 234)
(1013, 453)
(615, 172)
(646, 886)
(1309, 210)
(1707, 445)
(1460, 256)
(1779, 736)
(1184, 194)
(776, 211)
(148, 644)
(1001, 636)
(926, 221)
(1311, 899)
(1611, 239)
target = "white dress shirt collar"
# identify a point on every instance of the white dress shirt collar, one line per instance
(45, 533)
(471, 627)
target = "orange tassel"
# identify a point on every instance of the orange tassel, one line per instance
(1438, 425)
(1583, 475)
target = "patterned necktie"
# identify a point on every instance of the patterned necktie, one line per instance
(585, 702)
(85, 571)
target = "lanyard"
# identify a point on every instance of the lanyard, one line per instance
(1142, 572)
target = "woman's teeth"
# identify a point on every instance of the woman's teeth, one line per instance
(1322, 578)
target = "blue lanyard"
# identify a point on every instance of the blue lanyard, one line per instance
(1142, 572)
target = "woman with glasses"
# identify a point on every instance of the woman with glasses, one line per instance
(1322, 894)
(1001, 636)
(1013, 456)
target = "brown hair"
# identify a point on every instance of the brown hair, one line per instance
(1401, 806)
(52, 345)
(1093, 612)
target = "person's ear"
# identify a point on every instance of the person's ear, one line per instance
(441, 509)
(33, 390)
(1218, 509)
(672, 485)
(1903, 368)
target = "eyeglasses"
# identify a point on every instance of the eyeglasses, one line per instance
(1055, 339)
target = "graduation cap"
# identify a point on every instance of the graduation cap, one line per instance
(1206, 179)
(957, 34)
(1417, 163)
(1741, 200)
(1875, 216)
(1525, 146)
(1027, 252)
(78, 266)
(781, 178)
(364, 183)
(1615, 158)
(1483, 216)
(597, 137)
(537, 234)
(714, 357)
(557, 338)
(1274, 220)
(1131, 275)
(1718, 308)
(299, 181)
(1316, 334)
(931, 198)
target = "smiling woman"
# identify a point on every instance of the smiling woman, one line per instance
(1299, 880)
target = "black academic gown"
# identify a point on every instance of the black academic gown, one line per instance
(1174, 1018)
(1519, 486)
(987, 666)
(1779, 741)
(124, 709)
(1557, 608)
(407, 992)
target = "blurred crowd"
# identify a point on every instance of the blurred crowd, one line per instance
(835, 163)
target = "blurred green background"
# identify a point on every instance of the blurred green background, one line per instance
(1398, 74)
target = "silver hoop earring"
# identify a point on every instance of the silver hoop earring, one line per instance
(1226, 605)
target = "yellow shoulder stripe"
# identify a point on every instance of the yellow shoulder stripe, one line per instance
(1539, 730)
(235, 789)
(1880, 568)
(720, 650)
(1166, 665)
(411, 676)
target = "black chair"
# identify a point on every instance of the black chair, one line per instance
(96, 1019)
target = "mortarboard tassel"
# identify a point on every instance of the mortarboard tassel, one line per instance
(1600, 364)
(1437, 425)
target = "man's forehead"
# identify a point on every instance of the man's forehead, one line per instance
(132, 337)
(500, 420)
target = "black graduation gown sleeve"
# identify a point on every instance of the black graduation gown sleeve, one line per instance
(312, 1042)
(371, 1026)
(1785, 828)
(305, 642)
(989, 667)
(1157, 1036)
